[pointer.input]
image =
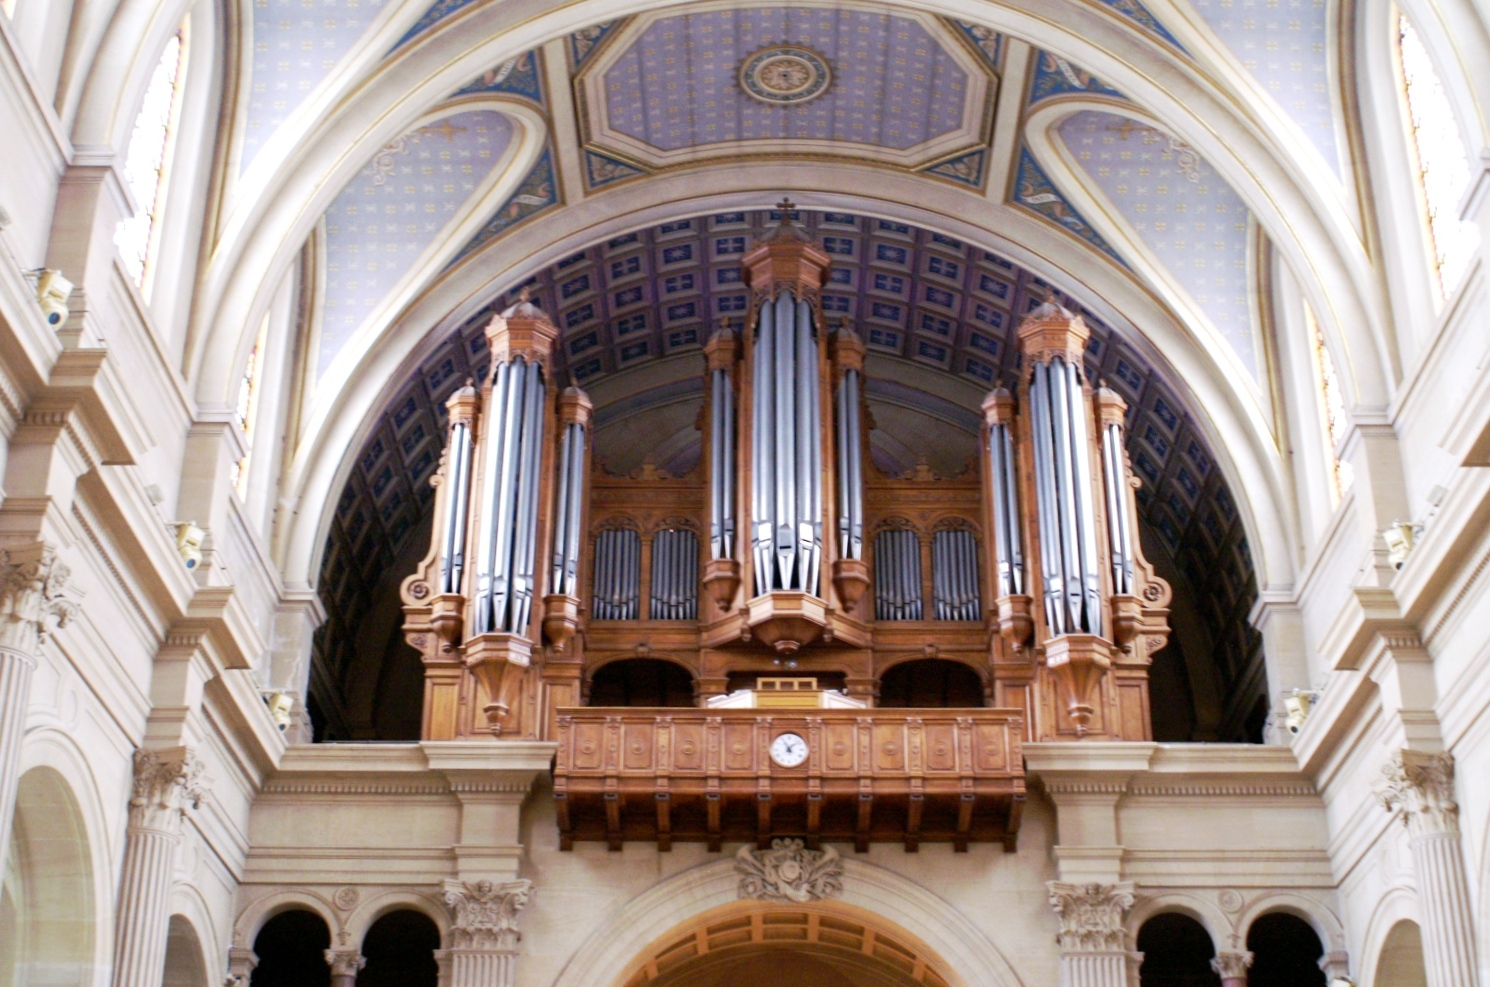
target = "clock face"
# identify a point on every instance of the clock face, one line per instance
(788, 750)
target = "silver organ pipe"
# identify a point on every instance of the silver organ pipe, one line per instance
(674, 575)
(954, 572)
(1068, 548)
(1119, 529)
(617, 592)
(850, 470)
(1006, 511)
(564, 577)
(504, 572)
(897, 575)
(722, 460)
(786, 487)
(459, 478)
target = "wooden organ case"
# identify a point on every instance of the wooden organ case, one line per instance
(785, 553)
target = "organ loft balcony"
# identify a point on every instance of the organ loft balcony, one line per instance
(780, 638)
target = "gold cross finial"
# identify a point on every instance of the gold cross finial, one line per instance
(786, 205)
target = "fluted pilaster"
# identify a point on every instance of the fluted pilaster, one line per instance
(166, 784)
(484, 933)
(1094, 945)
(1419, 789)
(31, 596)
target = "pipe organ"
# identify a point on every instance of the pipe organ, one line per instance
(784, 549)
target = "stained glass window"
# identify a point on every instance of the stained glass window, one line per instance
(1438, 154)
(1331, 406)
(145, 161)
(247, 409)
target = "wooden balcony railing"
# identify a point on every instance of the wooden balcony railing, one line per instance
(871, 776)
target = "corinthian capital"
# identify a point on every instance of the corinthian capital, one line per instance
(345, 962)
(1232, 965)
(31, 594)
(1091, 915)
(166, 784)
(486, 913)
(1419, 788)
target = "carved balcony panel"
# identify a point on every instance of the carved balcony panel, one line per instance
(718, 775)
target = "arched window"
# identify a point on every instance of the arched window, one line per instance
(1438, 156)
(148, 155)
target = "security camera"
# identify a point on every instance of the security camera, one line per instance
(52, 292)
(1400, 537)
(1298, 706)
(281, 705)
(189, 543)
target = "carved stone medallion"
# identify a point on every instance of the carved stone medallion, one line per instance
(783, 75)
(789, 872)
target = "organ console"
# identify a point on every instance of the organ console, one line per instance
(786, 551)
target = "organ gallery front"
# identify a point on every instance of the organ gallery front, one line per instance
(788, 576)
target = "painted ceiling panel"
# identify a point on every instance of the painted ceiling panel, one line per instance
(387, 216)
(1284, 44)
(1177, 205)
(678, 85)
(296, 43)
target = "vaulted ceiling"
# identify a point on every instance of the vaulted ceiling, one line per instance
(1149, 160)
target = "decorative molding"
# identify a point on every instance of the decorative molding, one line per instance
(1091, 915)
(1033, 190)
(789, 872)
(602, 170)
(538, 191)
(1418, 788)
(32, 583)
(967, 169)
(486, 913)
(354, 788)
(166, 784)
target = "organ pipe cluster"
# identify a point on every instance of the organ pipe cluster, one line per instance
(787, 481)
(504, 560)
(1059, 420)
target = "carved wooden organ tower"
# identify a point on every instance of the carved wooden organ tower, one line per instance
(786, 576)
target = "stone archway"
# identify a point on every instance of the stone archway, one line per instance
(811, 945)
(46, 916)
(903, 929)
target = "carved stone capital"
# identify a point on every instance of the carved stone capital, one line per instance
(486, 913)
(345, 962)
(1418, 788)
(789, 872)
(1232, 966)
(32, 583)
(166, 784)
(1091, 915)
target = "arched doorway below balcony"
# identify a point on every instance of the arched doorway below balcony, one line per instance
(811, 945)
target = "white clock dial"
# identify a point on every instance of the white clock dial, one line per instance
(788, 750)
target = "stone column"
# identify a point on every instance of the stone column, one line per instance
(31, 585)
(1094, 945)
(484, 936)
(345, 963)
(166, 783)
(1232, 966)
(1419, 789)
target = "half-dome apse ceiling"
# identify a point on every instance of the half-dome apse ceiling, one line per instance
(938, 316)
